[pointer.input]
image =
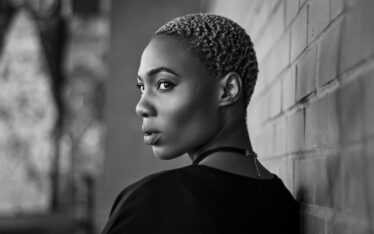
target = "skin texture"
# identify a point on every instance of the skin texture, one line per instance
(190, 112)
(183, 106)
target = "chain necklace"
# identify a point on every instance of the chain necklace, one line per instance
(244, 152)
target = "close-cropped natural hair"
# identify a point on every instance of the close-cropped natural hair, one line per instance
(221, 44)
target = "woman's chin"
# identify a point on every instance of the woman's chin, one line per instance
(164, 154)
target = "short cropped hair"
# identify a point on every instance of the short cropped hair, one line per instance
(221, 44)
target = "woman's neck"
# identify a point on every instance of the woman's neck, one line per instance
(234, 135)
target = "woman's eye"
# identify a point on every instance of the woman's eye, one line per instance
(165, 85)
(140, 87)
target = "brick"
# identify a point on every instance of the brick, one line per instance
(292, 8)
(276, 25)
(336, 8)
(329, 186)
(262, 147)
(251, 10)
(316, 123)
(289, 88)
(368, 104)
(280, 137)
(256, 113)
(350, 106)
(275, 102)
(321, 123)
(237, 11)
(333, 132)
(306, 74)
(328, 56)
(353, 174)
(299, 32)
(263, 10)
(319, 17)
(279, 58)
(295, 132)
(304, 186)
(357, 35)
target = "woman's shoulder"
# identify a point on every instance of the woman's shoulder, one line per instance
(161, 179)
(156, 180)
(151, 186)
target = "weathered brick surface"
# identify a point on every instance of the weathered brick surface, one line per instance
(327, 114)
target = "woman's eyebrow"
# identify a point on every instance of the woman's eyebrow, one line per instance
(158, 70)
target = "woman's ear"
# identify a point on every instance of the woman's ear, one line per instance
(230, 87)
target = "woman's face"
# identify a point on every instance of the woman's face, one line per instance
(179, 102)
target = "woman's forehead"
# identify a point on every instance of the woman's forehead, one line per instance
(167, 52)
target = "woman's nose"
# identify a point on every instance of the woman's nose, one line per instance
(144, 108)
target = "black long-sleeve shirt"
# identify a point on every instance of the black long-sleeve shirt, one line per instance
(200, 199)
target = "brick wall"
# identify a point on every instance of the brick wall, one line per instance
(311, 118)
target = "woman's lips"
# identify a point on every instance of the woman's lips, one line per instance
(151, 138)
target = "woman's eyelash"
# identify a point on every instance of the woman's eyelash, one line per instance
(140, 86)
(162, 85)
(166, 85)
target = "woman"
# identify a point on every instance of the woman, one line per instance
(196, 78)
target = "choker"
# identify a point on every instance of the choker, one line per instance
(243, 152)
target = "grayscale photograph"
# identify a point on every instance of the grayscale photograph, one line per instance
(186, 117)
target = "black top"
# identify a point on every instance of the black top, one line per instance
(200, 199)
